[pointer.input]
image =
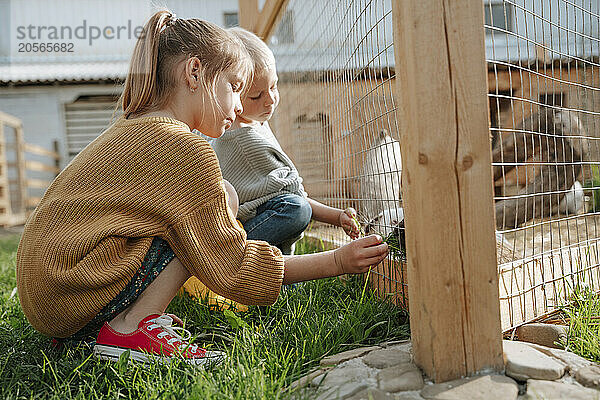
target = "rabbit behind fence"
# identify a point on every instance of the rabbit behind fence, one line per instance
(380, 185)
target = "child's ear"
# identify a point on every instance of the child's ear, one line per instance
(193, 68)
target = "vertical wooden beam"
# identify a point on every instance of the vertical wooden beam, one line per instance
(5, 209)
(447, 186)
(21, 174)
(248, 14)
(56, 148)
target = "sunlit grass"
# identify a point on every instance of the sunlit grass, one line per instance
(277, 345)
(582, 314)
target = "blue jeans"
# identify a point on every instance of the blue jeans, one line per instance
(280, 221)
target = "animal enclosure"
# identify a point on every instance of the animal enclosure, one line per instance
(342, 115)
(337, 118)
(544, 104)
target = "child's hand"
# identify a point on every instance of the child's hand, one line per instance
(358, 256)
(348, 222)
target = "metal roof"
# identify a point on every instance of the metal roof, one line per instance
(63, 72)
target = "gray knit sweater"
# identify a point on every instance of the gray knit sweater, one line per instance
(252, 160)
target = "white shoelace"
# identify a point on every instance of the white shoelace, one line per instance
(165, 323)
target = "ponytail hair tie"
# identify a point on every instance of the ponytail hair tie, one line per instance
(171, 18)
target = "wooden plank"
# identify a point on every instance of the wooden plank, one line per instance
(38, 166)
(270, 13)
(4, 185)
(10, 120)
(13, 219)
(39, 150)
(56, 148)
(447, 186)
(503, 81)
(248, 13)
(21, 173)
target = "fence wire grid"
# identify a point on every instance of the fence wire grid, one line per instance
(337, 120)
(544, 103)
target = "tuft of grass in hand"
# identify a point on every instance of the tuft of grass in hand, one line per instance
(361, 232)
(397, 249)
(394, 240)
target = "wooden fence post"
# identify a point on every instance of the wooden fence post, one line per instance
(56, 148)
(5, 210)
(21, 177)
(447, 186)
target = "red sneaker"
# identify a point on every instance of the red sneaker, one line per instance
(157, 338)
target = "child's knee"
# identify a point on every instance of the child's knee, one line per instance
(232, 197)
(301, 212)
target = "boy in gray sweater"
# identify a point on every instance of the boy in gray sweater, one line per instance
(273, 205)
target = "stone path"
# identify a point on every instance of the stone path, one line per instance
(387, 371)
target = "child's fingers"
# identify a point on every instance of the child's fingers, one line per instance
(375, 251)
(363, 269)
(371, 240)
(350, 226)
(374, 260)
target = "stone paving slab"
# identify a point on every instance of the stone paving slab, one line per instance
(389, 357)
(497, 387)
(543, 334)
(549, 390)
(354, 370)
(395, 343)
(572, 360)
(386, 372)
(523, 362)
(371, 394)
(401, 377)
(347, 355)
(589, 376)
(342, 392)
(411, 395)
(307, 379)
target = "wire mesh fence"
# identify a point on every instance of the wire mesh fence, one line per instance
(337, 117)
(337, 120)
(544, 101)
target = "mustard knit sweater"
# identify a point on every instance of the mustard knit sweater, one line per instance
(141, 178)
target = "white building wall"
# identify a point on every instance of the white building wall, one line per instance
(41, 107)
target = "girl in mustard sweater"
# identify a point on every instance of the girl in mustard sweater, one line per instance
(144, 207)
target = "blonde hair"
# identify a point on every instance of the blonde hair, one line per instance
(262, 57)
(167, 40)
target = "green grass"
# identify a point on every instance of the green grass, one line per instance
(592, 186)
(582, 315)
(275, 346)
